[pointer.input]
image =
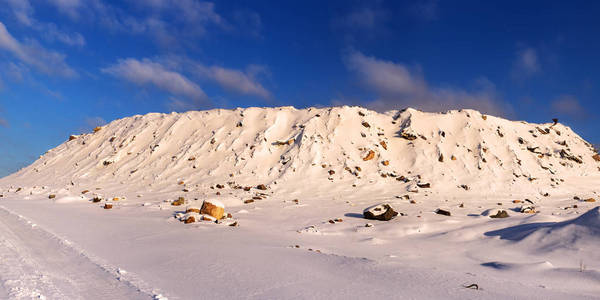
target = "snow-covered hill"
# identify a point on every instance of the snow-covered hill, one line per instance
(346, 145)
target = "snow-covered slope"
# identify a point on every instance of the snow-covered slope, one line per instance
(286, 145)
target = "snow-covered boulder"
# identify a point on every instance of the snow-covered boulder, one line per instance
(213, 208)
(382, 212)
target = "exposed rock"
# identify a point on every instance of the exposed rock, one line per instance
(96, 199)
(178, 202)
(405, 134)
(213, 208)
(189, 219)
(590, 200)
(369, 156)
(565, 154)
(73, 137)
(596, 157)
(441, 158)
(331, 172)
(248, 201)
(96, 129)
(527, 209)
(192, 209)
(84, 191)
(382, 212)
(384, 145)
(500, 214)
(108, 206)
(424, 185)
(51, 196)
(440, 211)
(281, 143)
(366, 124)
(386, 162)
(261, 187)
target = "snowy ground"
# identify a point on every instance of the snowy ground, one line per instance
(78, 250)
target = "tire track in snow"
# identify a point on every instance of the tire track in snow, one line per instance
(36, 264)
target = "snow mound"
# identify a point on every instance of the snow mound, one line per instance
(280, 147)
(578, 233)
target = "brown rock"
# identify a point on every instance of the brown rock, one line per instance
(382, 212)
(189, 219)
(500, 214)
(73, 137)
(261, 187)
(442, 212)
(178, 202)
(108, 206)
(52, 196)
(453, 157)
(234, 224)
(366, 124)
(212, 210)
(331, 172)
(220, 186)
(85, 191)
(590, 200)
(369, 156)
(192, 210)
(96, 129)
(386, 162)
(331, 221)
(248, 201)
(96, 199)
(596, 157)
(517, 201)
(247, 188)
(424, 185)
(181, 183)
(441, 158)
(383, 144)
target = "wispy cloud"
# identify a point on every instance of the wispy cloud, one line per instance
(526, 63)
(236, 81)
(367, 17)
(24, 13)
(397, 86)
(147, 72)
(33, 54)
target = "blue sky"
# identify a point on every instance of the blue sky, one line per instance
(69, 65)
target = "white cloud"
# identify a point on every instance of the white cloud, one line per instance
(147, 72)
(235, 81)
(397, 86)
(526, 63)
(368, 18)
(31, 53)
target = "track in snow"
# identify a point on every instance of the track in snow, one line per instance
(36, 265)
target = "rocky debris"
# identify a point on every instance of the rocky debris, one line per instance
(281, 143)
(331, 172)
(367, 125)
(180, 201)
(382, 212)
(234, 224)
(189, 219)
(108, 206)
(385, 162)
(424, 185)
(465, 187)
(527, 209)
(596, 157)
(589, 200)
(441, 158)
(192, 158)
(248, 201)
(51, 196)
(96, 199)
(192, 209)
(384, 145)
(566, 155)
(369, 156)
(85, 191)
(408, 135)
(500, 214)
(443, 212)
(261, 187)
(517, 201)
(96, 129)
(73, 137)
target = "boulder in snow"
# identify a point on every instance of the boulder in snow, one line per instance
(213, 208)
(382, 212)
